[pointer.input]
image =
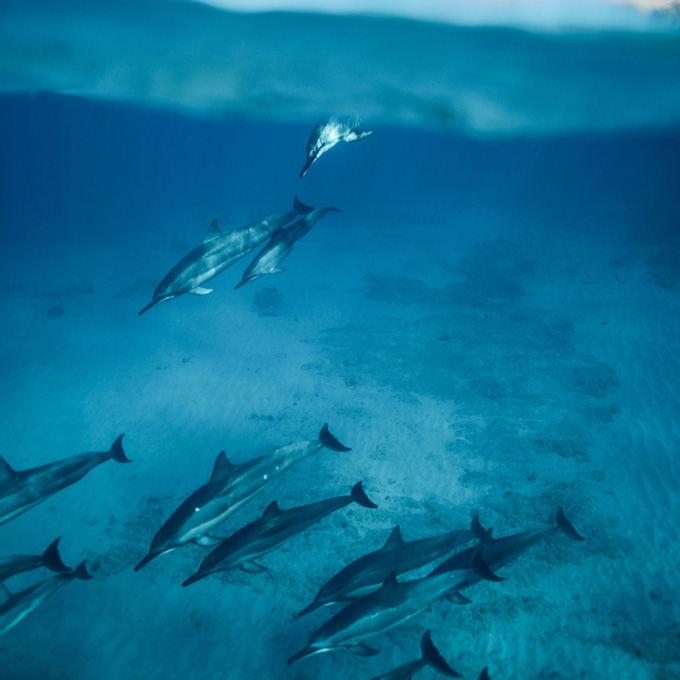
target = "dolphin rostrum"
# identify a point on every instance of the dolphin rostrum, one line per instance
(230, 486)
(430, 656)
(17, 564)
(367, 573)
(280, 246)
(14, 607)
(326, 134)
(386, 608)
(272, 530)
(218, 251)
(20, 490)
(499, 552)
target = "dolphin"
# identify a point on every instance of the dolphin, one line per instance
(367, 573)
(272, 530)
(218, 251)
(430, 656)
(230, 486)
(499, 552)
(386, 608)
(326, 134)
(17, 564)
(14, 607)
(280, 247)
(20, 490)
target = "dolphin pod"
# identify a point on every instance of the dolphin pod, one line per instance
(326, 134)
(229, 487)
(271, 531)
(218, 251)
(20, 490)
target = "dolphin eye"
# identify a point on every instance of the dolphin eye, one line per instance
(196, 509)
(265, 476)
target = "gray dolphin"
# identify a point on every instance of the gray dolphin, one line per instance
(17, 564)
(218, 251)
(280, 246)
(499, 552)
(429, 656)
(367, 573)
(20, 490)
(271, 531)
(14, 607)
(230, 486)
(386, 608)
(326, 134)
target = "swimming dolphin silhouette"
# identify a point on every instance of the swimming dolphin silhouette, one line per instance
(429, 656)
(14, 607)
(17, 564)
(499, 552)
(271, 531)
(366, 574)
(386, 608)
(326, 134)
(280, 246)
(230, 486)
(218, 251)
(20, 490)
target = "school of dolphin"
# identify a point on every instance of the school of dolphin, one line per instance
(374, 600)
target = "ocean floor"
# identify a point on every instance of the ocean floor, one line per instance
(501, 359)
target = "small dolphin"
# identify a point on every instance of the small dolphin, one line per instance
(271, 531)
(386, 608)
(280, 247)
(499, 552)
(17, 564)
(326, 134)
(14, 607)
(430, 656)
(228, 489)
(20, 490)
(218, 251)
(367, 573)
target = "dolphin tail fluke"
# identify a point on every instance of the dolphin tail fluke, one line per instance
(81, 572)
(484, 675)
(328, 441)
(482, 568)
(566, 527)
(117, 452)
(52, 559)
(359, 496)
(300, 208)
(433, 658)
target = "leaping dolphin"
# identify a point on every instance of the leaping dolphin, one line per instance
(386, 608)
(367, 573)
(430, 656)
(499, 552)
(271, 531)
(20, 490)
(230, 486)
(14, 607)
(218, 251)
(326, 134)
(280, 246)
(17, 564)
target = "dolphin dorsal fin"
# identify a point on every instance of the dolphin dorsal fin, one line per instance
(222, 467)
(271, 511)
(395, 540)
(390, 581)
(6, 472)
(213, 232)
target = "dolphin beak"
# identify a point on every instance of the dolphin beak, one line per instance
(147, 559)
(309, 161)
(192, 579)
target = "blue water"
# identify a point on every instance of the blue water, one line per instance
(490, 323)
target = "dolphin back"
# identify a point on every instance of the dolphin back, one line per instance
(432, 657)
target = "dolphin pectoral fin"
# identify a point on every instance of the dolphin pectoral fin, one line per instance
(52, 559)
(363, 649)
(200, 291)
(253, 568)
(566, 527)
(207, 540)
(458, 598)
(277, 270)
